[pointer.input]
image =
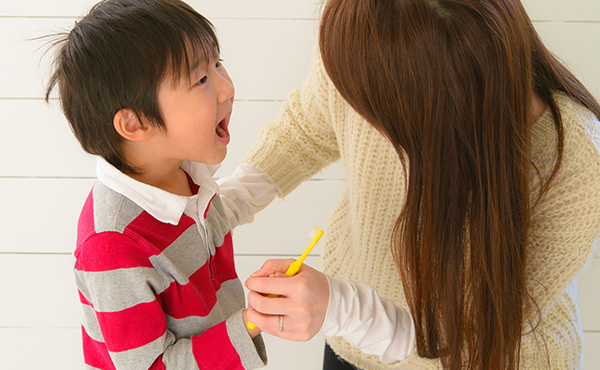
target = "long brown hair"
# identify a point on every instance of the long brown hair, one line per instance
(451, 83)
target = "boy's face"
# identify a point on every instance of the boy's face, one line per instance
(196, 114)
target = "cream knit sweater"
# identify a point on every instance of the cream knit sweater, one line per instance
(317, 127)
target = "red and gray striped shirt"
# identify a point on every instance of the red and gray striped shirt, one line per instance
(156, 278)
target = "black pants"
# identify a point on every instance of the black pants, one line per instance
(332, 362)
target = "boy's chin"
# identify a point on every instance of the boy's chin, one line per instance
(217, 159)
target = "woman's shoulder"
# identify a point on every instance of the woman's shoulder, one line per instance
(576, 184)
(581, 130)
(578, 119)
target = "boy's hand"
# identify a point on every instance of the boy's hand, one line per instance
(253, 332)
(302, 300)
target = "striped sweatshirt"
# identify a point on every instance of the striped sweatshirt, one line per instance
(156, 278)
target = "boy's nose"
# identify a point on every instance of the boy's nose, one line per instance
(225, 89)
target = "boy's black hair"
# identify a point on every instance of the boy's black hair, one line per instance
(116, 57)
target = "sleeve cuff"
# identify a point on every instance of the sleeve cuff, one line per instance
(252, 351)
(330, 325)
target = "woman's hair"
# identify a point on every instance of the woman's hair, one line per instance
(116, 57)
(450, 83)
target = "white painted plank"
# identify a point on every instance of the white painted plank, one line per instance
(576, 44)
(37, 8)
(38, 292)
(21, 68)
(288, 9)
(591, 352)
(283, 227)
(40, 348)
(40, 215)
(267, 59)
(294, 355)
(36, 140)
(573, 10)
(561, 10)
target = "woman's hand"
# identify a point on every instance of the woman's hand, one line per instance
(301, 300)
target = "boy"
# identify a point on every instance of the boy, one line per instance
(143, 89)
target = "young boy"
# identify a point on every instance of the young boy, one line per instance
(142, 87)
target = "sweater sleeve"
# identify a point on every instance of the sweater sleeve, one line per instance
(566, 219)
(301, 141)
(125, 327)
(371, 323)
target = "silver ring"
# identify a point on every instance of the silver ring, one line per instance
(281, 323)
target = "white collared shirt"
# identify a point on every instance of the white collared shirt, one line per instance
(160, 204)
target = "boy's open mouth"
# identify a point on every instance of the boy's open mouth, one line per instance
(222, 131)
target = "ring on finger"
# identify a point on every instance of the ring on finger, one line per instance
(281, 323)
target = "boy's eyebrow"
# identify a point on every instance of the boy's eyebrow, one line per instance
(194, 65)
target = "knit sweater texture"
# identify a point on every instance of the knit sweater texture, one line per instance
(317, 127)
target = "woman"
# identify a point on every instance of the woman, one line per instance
(468, 148)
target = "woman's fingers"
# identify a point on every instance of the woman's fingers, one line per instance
(282, 326)
(276, 284)
(266, 323)
(273, 305)
(302, 302)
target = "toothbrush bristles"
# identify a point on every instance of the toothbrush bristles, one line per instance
(314, 232)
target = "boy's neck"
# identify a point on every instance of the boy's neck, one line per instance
(171, 179)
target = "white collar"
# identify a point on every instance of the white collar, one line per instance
(162, 205)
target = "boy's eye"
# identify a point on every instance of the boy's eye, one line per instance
(202, 81)
(219, 63)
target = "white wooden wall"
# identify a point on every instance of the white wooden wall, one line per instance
(45, 176)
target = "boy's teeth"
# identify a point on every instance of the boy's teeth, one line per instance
(222, 133)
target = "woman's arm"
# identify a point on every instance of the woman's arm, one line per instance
(369, 322)
(313, 303)
(246, 192)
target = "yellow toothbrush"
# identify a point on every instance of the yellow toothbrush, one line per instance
(316, 234)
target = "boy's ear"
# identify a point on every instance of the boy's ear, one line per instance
(129, 126)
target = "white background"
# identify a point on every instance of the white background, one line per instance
(267, 48)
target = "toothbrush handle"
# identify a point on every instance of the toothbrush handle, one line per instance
(295, 266)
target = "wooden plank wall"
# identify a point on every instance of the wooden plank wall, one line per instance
(45, 176)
